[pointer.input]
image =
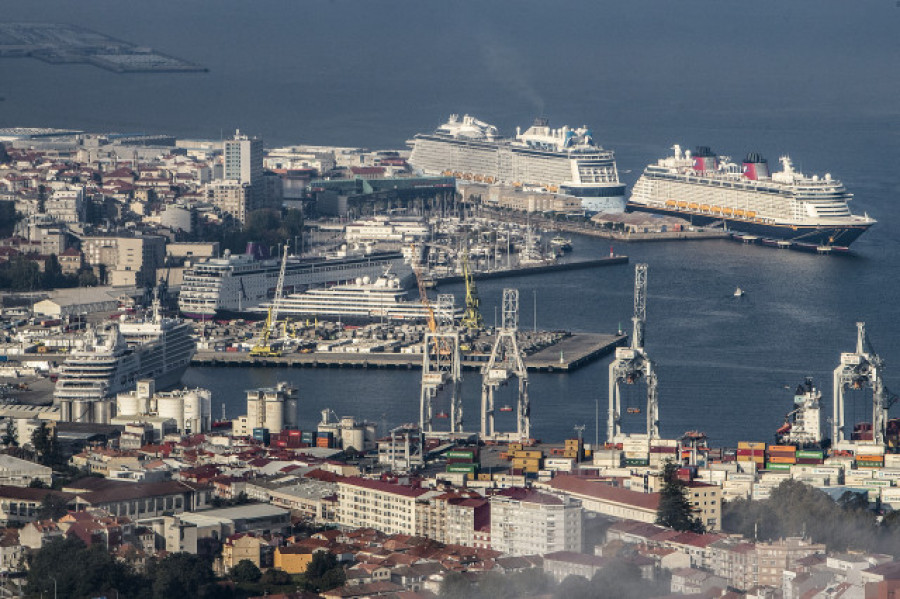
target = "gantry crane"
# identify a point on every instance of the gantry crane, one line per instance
(862, 369)
(505, 362)
(472, 318)
(440, 361)
(264, 347)
(632, 364)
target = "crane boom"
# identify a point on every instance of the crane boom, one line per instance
(263, 347)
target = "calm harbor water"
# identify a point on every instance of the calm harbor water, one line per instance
(812, 78)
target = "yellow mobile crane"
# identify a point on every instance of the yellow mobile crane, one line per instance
(472, 317)
(264, 347)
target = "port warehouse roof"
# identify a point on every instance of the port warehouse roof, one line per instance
(81, 300)
(602, 497)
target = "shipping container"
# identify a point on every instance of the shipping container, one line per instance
(467, 454)
(637, 462)
(777, 466)
(323, 442)
(751, 445)
(775, 459)
(864, 464)
(470, 468)
(809, 453)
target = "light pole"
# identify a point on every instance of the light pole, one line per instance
(53, 578)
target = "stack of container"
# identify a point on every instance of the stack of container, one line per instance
(607, 458)
(262, 435)
(810, 456)
(637, 452)
(573, 449)
(309, 438)
(325, 439)
(662, 451)
(463, 460)
(527, 461)
(869, 456)
(781, 457)
(291, 439)
(752, 451)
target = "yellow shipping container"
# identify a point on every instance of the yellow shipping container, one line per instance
(751, 445)
(527, 453)
(515, 447)
(570, 454)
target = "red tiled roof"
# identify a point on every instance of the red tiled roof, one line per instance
(384, 487)
(576, 558)
(601, 491)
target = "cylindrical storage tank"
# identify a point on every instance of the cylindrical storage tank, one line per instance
(290, 412)
(127, 404)
(101, 411)
(81, 410)
(353, 437)
(172, 407)
(65, 411)
(274, 414)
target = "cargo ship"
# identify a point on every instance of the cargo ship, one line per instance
(785, 208)
(562, 160)
(235, 284)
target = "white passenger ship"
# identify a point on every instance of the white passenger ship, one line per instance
(560, 160)
(236, 284)
(363, 300)
(114, 356)
(786, 207)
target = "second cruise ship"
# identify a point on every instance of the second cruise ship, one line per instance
(563, 160)
(785, 207)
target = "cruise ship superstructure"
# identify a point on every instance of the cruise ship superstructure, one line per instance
(237, 283)
(362, 300)
(786, 206)
(114, 356)
(560, 160)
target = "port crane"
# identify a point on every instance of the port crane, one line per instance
(440, 360)
(505, 362)
(632, 364)
(472, 318)
(862, 369)
(264, 347)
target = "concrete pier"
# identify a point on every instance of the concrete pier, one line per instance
(567, 355)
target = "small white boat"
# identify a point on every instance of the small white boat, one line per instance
(739, 292)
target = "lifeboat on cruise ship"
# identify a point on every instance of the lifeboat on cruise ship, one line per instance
(750, 215)
(682, 205)
(479, 178)
(727, 211)
(693, 205)
(704, 207)
(447, 173)
(488, 179)
(739, 213)
(671, 203)
(467, 176)
(552, 188)
(716, 210)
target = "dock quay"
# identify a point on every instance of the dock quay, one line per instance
(522, 271)
(567, 355)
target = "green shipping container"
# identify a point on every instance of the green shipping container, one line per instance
(806, 453)
(469, 468)
(462, 454)
(637, 462)
(863, 464)
(778, 466)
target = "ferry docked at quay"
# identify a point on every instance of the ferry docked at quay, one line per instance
(236, 283)
(563, 160)
(785, 208)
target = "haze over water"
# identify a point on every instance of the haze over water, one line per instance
(815, 79)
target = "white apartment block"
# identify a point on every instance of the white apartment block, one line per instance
(66, 205)
(389, 508)
(533, 523)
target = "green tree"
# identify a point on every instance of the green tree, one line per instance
(674, 508)
(275, 577)
(10, 436)
(46, 446)
(323, 572)
(181, 576)
(455, 586)
(86, 278)
(245, 571)
(80, 571)
(53, 506)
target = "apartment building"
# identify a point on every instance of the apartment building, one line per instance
(526, 522)
(384, 506)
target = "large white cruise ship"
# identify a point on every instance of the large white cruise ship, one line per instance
(786, 207)
(235, 284)
(114, 356)
(363, 300)
(560, 160)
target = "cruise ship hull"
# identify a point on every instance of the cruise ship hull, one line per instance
(838, 237)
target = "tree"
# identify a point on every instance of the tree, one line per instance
(181, 576)
(324, 573)
(275, 577)
(10, 436)
(46, 446)
(53, 506)
(245, 571)
(674, 508)
(455, 586)
(81, 571)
